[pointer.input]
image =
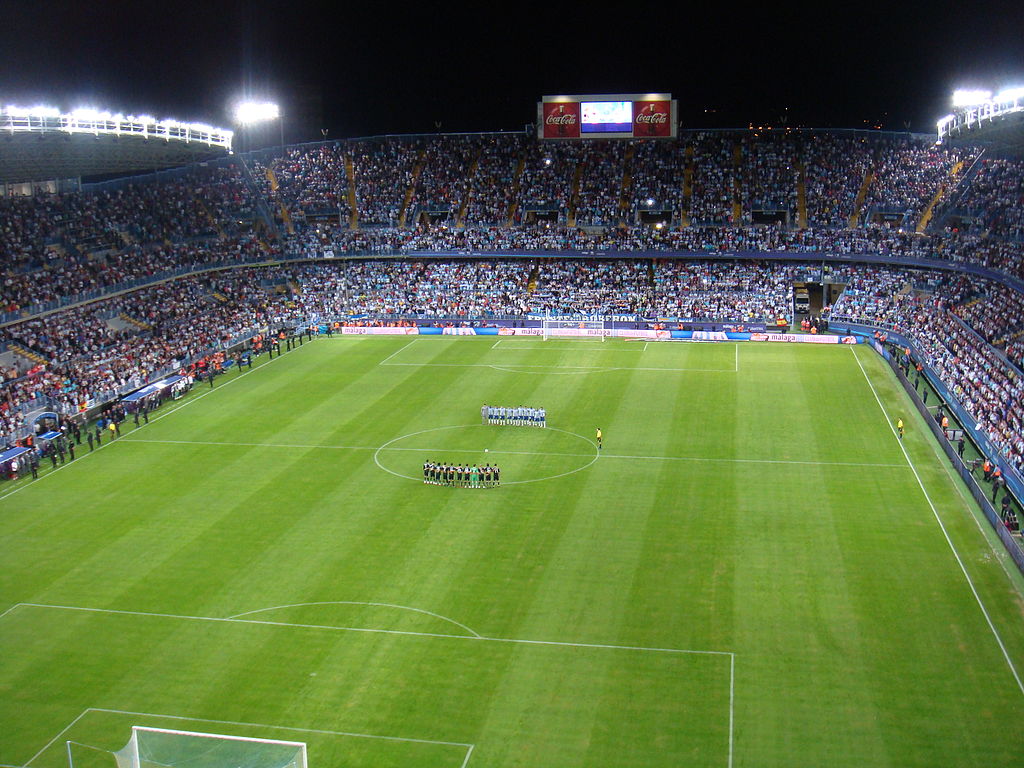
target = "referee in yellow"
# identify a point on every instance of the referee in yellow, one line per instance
(599, 438)
(899, 427)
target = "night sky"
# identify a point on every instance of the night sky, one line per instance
(367, 67)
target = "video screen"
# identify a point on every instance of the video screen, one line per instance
(606, 116)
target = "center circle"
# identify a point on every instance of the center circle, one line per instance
(524, 454)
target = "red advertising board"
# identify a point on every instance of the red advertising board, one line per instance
(651, 118)
(561, 120)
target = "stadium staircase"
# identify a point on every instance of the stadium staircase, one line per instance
(531, 281)
(940, 194)
(134, 322)
(26, 353)
(417, 169)
(574, 194)
(272, 178)
(956, 194)
(517, 181)
(265, 216)
(684, 215)
(862, 195)
(213, 220)
(801, 196)
(627, 185)
(353, 207)
(460, 219)
(286, 217)
(737, 185)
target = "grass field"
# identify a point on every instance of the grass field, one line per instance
(751, 572)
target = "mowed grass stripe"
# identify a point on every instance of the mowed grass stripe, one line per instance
(858, 641)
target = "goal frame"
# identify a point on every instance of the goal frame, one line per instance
(133, 742)
(582, 323)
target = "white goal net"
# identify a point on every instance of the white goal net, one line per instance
(162, 748)
(579, 328)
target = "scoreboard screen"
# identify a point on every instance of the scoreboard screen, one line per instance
(606, 116)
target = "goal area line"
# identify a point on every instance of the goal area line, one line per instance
(467, 747)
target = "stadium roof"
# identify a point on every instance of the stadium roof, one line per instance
(40, 143)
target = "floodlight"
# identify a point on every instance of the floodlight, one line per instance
(256, 112)
(1010, 94)
(970, 98)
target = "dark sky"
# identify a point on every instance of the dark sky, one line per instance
(364, 67)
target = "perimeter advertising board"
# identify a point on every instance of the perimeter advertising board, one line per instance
(608, 116)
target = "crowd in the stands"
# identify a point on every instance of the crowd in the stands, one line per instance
(995, 198)
(67, 277)
(951, 322)
(506, 192)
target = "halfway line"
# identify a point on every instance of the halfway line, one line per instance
(625, 456)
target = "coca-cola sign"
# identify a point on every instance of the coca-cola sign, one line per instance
(561, 120)
(652, 118)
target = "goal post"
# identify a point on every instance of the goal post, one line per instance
(165, 748)
(583, 328)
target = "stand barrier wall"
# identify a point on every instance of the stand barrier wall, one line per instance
(977, 491)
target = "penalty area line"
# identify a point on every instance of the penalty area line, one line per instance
(373, 630)
(396, 352)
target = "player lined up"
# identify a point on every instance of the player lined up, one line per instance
(459, 476)
(517, 417)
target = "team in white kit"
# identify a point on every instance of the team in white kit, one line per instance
(518, 417)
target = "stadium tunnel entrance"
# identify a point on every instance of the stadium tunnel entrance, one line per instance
(808, 299)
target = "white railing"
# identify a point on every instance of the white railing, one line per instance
(45, 119)
(974, 116)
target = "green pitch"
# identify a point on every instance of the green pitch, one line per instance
(751, 572)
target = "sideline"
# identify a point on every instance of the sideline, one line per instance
(188, 402)
(945, 533)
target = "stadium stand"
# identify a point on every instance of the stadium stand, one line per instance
(105, 287)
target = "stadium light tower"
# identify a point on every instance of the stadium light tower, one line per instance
(254, 112)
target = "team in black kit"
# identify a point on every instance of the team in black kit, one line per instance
(460, 476)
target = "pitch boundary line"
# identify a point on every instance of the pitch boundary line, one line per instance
(155, 419)
(292, 729)
(942, 526)
(358, 602)
(624, 456)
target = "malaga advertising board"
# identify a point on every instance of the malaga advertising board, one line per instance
(615, 116)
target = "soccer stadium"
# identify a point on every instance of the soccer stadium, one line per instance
(606, 442)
